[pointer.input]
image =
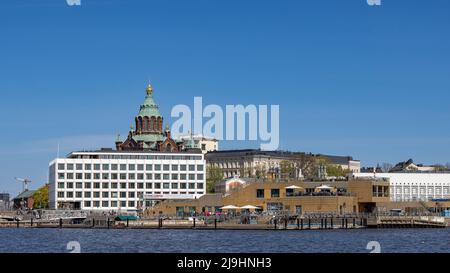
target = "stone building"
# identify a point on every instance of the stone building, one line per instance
(248, 163)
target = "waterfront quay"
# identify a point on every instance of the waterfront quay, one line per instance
(242, 222)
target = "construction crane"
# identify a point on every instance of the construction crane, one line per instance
(24, 181)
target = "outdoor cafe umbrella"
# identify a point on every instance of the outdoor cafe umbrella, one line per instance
(230, 207)
(324, 187)
(293, 187)
(249, 207)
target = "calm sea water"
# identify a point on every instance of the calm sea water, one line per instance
(340, 241)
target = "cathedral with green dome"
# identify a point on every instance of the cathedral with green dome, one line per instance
(147, 133)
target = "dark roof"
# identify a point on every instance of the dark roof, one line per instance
(342, 160)
(25, 194)
(248, 152)
(401, 166)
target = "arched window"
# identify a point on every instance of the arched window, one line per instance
(146, 124)
(168, 147)
(153, 125)
(139, 127)
(159, 124)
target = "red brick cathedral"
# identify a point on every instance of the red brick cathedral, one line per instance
(148, 133)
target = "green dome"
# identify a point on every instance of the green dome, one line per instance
(149, 108)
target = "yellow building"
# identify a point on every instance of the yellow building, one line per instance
(291, 197)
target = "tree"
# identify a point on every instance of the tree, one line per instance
(260, 171)
(41, 198)
(287, 169)
(336, 170)
(386, 167)
(246, 172)
(306, 163)
(214, 175)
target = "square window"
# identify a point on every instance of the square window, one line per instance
(275, 193)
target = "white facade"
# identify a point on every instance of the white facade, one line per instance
(206, 144)
(122, 180)
(415, 186)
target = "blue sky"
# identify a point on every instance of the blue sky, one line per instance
(350, 79)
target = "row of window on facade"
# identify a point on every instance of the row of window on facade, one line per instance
(107, 204)
(139, 157)
(130, 167)
(431, 190)
(130, 176)
(96, 185)
(122, 194)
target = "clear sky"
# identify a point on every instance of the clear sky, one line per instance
(350, 79)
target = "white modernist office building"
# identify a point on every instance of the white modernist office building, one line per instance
(125, 181)
(415, 186)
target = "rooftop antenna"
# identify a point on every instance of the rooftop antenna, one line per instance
(57, 153)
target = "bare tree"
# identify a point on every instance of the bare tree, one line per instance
(307, 164)
(386, 167)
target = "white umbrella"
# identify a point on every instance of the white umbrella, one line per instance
(324, 187)
(229, 207)
(249, 207)
(293, 187)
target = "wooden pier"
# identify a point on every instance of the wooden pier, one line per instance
(303, 223)
(406, 222)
